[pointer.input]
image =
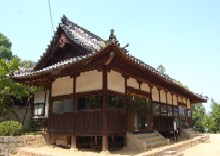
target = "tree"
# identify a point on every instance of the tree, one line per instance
(162, 69)
(11, 91)
(8, 64)
(214, 117)
(5, 48)
(199, 116)
(27, 64)
(180, 84)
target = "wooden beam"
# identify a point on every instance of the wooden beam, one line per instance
(49, 113)
(105, 111)
(126, 108)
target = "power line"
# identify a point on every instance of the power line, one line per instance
(53, 43)
(51, 19)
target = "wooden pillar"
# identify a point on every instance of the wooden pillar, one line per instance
(166, 101)
(172, 105)
(74, 76)
(190, 113)
(152, 120)
(73, 137)
(73, 143)
(178, 113)
(49, 112)
(126, 109)
(96, 140)
(160, 107)
(105, 112)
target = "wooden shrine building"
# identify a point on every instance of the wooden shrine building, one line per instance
(94, 87)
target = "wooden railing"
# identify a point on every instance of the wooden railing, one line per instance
(87, 122)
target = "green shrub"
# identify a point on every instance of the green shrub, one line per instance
(10, 128)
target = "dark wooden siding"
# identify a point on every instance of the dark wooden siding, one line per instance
(87, 122)
(163, 123)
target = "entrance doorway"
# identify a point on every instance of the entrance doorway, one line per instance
(139, 113)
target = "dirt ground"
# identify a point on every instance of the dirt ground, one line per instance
(211, 148)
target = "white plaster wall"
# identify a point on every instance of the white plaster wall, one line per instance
(116, 82)
(169, 98)
(62, 86)
(133, 83)
(89, 81)
(145, 87)
(188, 104)
(184, 100)
(155, 94)
(163, 96)
(39, 97)
(20, 111)
(180, 99)
(174, 100)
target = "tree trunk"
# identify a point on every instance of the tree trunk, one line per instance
(15, 114)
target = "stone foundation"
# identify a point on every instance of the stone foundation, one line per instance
(9, 144)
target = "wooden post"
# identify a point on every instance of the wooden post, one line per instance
(49, 112)
(96, 140)
(166, 101)
(105, 112)
(160, 109)
(73, 143)
(126, 109)
(151, 99)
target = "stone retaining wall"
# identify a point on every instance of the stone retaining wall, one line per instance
(178, 147)
(11, 143)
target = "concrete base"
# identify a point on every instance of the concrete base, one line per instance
(73, 149)
(105, 152)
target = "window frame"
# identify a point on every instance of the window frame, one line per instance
(89, 107)
(116, 106)
(162, 108)
(38, 104)
(156, 111)
(170, 111)
(61, 109)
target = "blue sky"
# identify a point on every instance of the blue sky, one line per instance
(184, 36)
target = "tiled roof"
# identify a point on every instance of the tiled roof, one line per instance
(64, 63)
(92, 43)
(77, 35)
(61, 64)
(80, 36)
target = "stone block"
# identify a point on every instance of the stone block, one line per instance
(27, 138)
(12, 145)
(24, 138)
(6, 139)
(19, 144)
(1, 139)
(11, 138)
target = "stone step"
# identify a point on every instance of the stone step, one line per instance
(170, 153)
(146, 135)
(178, 154)
(29, 153)
(152, 139)
(156, 144)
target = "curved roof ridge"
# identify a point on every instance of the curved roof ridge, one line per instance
(67, 22)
